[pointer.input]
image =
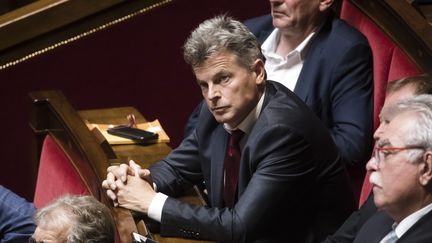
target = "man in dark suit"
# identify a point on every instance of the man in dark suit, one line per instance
(352, 230)
(291, 187)
(328, 64)
(401, 178)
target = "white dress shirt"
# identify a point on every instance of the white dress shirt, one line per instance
(284, 70)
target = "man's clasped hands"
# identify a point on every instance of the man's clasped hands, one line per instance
(129, 186)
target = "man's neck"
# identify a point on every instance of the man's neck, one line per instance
(290, 40)
(400, 214)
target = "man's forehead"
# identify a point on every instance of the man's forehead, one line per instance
(399, 127)
(216, 64)
(395, 97)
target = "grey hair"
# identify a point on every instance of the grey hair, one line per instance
(90, 221)
(218, 34)
(421, 134)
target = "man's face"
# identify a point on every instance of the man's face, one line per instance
(403, 93)
(394, 176)
(230, 90)
(296, 15)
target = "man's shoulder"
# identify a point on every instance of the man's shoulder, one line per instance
(282, 103)
(341, 31)
(258, 24)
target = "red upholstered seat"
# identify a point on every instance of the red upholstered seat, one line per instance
(389, 63)
(57, 175)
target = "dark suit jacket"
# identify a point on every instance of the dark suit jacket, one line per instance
(292, 185)
(350, 228)
(380, 224)
(368, 225)
(336, 83)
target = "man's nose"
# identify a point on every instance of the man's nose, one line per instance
(372, 164)
(213, 92)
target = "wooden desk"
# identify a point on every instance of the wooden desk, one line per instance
(144, 155)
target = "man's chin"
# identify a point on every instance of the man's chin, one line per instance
(378, 200)
(219, 119)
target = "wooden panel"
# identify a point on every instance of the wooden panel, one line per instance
(46, 24)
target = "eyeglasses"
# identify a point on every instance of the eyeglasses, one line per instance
(380, 154)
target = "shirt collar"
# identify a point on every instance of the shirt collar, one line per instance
(270, 44)
(247, 124)
(409, 221)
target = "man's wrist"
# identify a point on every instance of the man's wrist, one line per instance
(156, 206)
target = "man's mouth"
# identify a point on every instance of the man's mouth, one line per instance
(218, 108)
(278, 13)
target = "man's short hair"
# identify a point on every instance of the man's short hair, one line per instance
(422, 84)
(90, 220)
(218, 34)
(421, 134)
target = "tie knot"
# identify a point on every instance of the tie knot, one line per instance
(236, 135)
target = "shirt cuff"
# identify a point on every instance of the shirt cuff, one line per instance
(156, 206)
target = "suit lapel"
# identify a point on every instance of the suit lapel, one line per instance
(374, 228)
(305, 79)
(420, 232)
(312, 62)
(217, 165)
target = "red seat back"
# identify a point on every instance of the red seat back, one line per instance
(389, 63)
(57, 175)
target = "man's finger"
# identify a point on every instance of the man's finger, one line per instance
(122, 172)
(111, 181)
(111, 195)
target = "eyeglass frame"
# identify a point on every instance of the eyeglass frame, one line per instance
(377, 150)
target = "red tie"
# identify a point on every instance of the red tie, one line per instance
(232, 165)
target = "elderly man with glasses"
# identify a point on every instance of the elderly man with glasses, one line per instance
(401, 177)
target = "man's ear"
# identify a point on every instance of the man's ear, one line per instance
(325, 4)
(426, 169)
(259, 71)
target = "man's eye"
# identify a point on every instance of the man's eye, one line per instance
(224, 79)
(202, 84)
(386, 153)
(384, 121)
(203, 88)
